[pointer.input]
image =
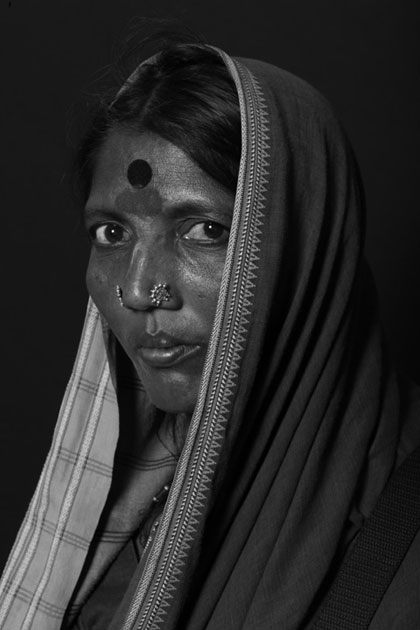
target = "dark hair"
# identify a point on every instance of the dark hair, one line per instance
(184, 94)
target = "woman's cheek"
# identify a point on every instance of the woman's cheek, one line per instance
(203, 277)
(98, 284)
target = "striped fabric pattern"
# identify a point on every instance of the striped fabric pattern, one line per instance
(80, 457)
(77, 501)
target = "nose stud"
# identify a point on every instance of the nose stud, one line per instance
(158, 293)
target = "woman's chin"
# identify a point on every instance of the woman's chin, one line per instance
(173, 397)
(173, 406)
(173, 390)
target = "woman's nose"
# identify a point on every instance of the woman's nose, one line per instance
(149, 281)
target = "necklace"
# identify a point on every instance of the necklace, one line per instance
(148, 529)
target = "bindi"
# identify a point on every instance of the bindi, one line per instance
(139, 173)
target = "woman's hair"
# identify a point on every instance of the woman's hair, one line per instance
(184, 94)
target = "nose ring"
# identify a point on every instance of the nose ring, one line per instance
(159, 293)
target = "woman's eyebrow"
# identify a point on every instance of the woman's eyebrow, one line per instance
(222, 210)
(92, 213)
(201, 207)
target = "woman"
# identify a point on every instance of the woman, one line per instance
(232, 418)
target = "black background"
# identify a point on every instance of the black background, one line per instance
(362, 54)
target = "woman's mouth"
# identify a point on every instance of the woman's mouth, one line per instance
(168, 356)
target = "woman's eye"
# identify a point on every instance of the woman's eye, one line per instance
(207, 232)
(108, 234)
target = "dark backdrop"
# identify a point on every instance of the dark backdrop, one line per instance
(362, 54)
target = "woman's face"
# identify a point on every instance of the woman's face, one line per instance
(174, 230)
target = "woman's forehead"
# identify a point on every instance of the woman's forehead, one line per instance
(145, 166)
(122, 148)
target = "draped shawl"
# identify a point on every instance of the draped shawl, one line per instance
(299, 422)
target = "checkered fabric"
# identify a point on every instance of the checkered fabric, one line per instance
(81, 481)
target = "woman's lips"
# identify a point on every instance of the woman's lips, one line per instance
(168, 356)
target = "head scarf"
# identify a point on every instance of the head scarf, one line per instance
(299, 421)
